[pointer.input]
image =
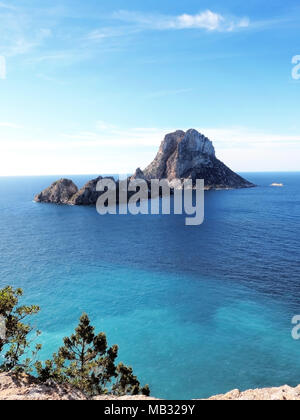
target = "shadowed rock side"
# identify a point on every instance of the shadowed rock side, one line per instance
(191, 155)
(87, 195)
(65, 191)
(60, 192)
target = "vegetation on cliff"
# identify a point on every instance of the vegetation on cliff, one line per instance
(84, 361)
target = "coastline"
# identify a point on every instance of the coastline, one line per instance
(25, 387)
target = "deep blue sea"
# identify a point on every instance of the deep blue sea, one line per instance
(196, 311)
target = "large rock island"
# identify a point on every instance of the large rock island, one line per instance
(182, 155)
(191, 155)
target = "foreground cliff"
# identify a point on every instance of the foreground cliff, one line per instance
(25, 387)
(283, 393)
(182, 155)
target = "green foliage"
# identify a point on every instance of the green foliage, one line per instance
(127, 383)
(15, 341)
(86, 362)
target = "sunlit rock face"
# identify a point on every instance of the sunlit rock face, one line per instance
(60, 192)
(191, 155)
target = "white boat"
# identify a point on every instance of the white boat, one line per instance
(276, 185)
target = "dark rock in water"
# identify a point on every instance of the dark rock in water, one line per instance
(191, 155)
(87, 195)
(59, 192)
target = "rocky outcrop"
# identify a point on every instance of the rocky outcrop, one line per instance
(87, 195)
(139, 174)
(24, 387)
(60, 192)
(191, 155)
(124, 398)
(66, 192)
(283, 393)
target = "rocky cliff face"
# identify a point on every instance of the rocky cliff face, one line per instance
(60, 192)
(191, 155)
(87, 195)
(283, 393)
(24, 387)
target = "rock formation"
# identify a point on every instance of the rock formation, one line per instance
(60, 192)
(181, 156)
(191, 155)
(139, 174)
(87, 195)
(25, 387)
(283, 393)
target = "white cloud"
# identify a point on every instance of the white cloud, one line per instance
(20, 32)
(107, 148)
(111, 32)
(104, 126)
(207, 20)
(9, 125)
(242, 137)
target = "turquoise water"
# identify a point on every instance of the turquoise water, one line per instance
(195, 310)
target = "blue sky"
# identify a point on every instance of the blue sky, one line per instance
(93, 86)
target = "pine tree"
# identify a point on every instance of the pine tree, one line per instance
(86, 362)
(14, 340)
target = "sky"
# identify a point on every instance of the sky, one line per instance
(93, 86)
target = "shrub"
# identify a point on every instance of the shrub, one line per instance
(84, 361)
(87, 363)
(14, 340)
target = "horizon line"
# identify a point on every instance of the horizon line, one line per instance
(131, 173)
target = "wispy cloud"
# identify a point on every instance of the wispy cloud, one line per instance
(9, 125)
(227, 137)
(20, 33)
(162, 93)
(107, 148)
(6, 6)
(107, 32)
(206, 20)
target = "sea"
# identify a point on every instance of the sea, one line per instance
(195, 310)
